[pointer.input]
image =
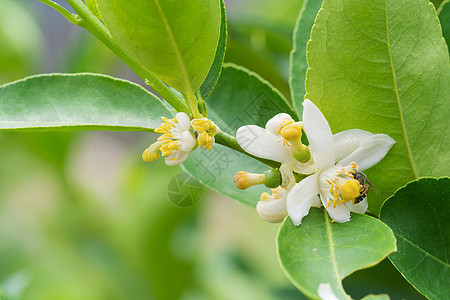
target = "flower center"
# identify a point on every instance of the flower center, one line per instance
(343, 187)
(206, 130)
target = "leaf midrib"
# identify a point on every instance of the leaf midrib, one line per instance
(397, 96)
(175, 46)
(332, 253)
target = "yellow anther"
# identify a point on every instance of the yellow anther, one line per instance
(205, 141)
(265, 196)
(329, 203)
(204, 124)
(350, 190)
(151, 153)
(168, 147)
(354, 165)
(149, 156)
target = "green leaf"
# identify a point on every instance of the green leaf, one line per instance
(175, 40)
(298, 63)
(239, 98)
(376, 297)
(444, 18)
(93, 7)
(214, 73)
(78, 102)
(418, 215)
(319, 251)
(383, 66)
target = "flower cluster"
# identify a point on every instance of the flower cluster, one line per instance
(179, 137)
(326, 172)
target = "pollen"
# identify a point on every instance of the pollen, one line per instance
(149, 156)
(350, 190)
(168, 147)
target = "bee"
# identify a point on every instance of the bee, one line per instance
(364, 189)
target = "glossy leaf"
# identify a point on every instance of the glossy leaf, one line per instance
(418, 215)
(376, 297)
(78, 102)
(383, 66)
(239, 98)
(214, 73)
(174, 40)
(93, 7)
(444, 18)
(298, 63)
(320, 251)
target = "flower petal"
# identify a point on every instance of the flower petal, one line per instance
(302, 196)
(319, 135)
(347, 141)
(261, 143)
(370, 152)
(359, 208)
(176, 158)
(274, 125)
(183, 121)
(273, 210)
(306, 168)
(340, 213)
(325, 292)
(187, 141)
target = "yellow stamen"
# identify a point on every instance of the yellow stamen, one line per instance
(151, 153)
(350, 190)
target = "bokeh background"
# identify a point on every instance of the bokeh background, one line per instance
(82, 217)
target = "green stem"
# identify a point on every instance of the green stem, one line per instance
(229, 141)
(91, 23)
(67, 14)
(193, 105)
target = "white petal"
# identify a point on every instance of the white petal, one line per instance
(325, 292)
(319, 135)
(183, 121)
(273, 210)
(302, 196)
(274, 125)
(347, 141)
(261, 143)
(287, 177)
(359, 208)
(370, 152)
(306, 168)
(316, 202)
(176, 158)
(187, 141)
(340, 213)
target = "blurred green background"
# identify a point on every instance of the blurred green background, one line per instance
(82, 217)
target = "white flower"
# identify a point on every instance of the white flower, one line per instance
(176, 143)
(325, 292)
(335, 185)
(206, 130)
(269, 143)
(272, 208)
